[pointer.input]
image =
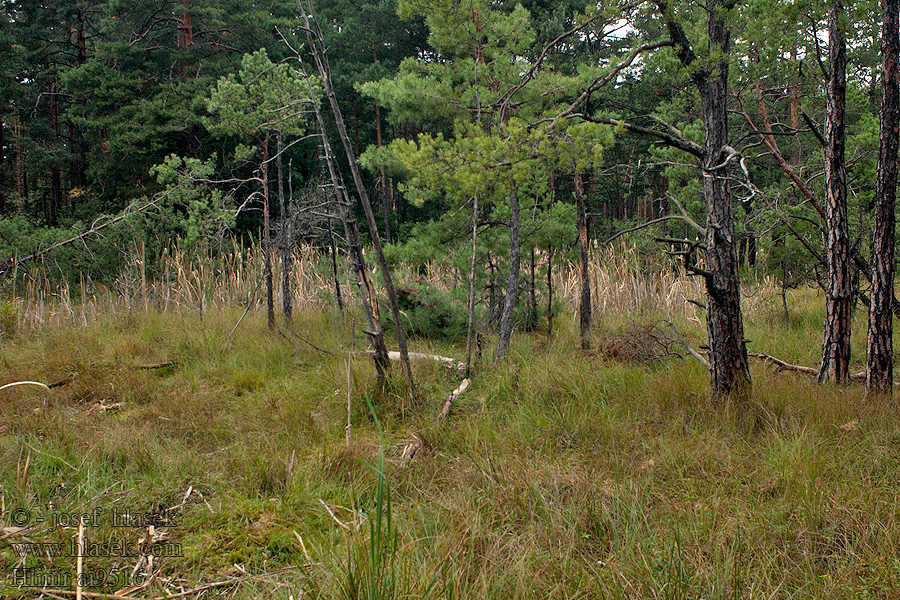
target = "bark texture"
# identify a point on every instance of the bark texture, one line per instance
(584, 306)
(839, 287)
(512, 282)
(729, 368)
(879, 344)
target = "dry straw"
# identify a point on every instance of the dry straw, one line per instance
(622, 282)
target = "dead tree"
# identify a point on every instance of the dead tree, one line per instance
(368, 300)
(879, 344)
(317, 47)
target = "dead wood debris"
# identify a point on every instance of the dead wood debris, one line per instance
(413, 448)
(640, 344)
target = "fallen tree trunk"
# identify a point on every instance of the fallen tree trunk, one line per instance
(784, 366)
(452, 362)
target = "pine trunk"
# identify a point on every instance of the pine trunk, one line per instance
(2, 165)
(584, 307)
(879, 346)
(838, 292)
(470, 329)
(512, 283)
(286, 235)
(21, 191)
(729, 369)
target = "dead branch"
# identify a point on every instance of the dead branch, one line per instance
(448, 404)
(161, 365)
(781, 365)
(692, 352)
(96, 226)
(412, 449)
(452, 362)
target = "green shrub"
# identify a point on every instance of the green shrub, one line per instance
(431, 313)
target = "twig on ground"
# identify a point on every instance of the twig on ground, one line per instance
(333, 516)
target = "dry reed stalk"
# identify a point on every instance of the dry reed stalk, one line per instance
(622, 281)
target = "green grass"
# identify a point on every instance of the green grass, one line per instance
(557, 475)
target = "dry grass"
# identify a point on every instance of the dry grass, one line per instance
(557, 475)
(179, 282)
(622, 283)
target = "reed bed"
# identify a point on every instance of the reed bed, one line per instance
(622, 282)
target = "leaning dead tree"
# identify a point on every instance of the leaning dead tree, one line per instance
(317, 48)
(368, 299)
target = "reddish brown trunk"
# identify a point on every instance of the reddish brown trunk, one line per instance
(185, 35)
(838, 290)
(879, 344)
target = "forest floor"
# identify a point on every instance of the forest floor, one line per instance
(556, 475)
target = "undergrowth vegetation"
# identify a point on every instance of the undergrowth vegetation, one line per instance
(558, 474)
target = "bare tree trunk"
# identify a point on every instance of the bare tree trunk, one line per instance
(267, 240)
(531, 323)
(317, 47)
(383, 178)
(470, 330)
(550, 293)
(357, 261)
(512, 284)
(2, 163)
(729, 368)
(730, 371)
(584, 307)
(839, 289)
(286, 235)
(56, 191)
(879, 344)
(334, 268)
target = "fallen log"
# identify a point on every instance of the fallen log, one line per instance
(457, 364)
(784, 366)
